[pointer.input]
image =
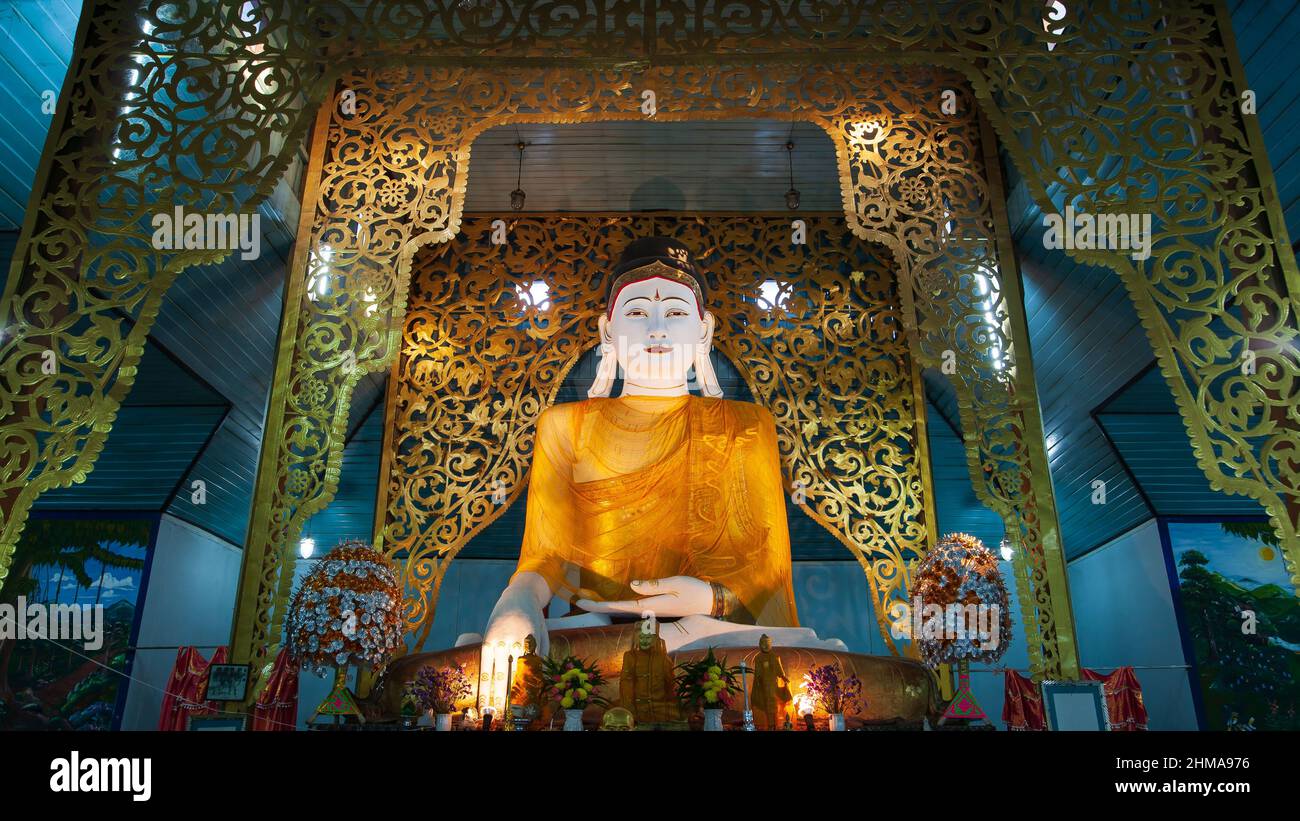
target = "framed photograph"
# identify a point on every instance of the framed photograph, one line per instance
(1075, 705)
(228, 725)
(227, 682)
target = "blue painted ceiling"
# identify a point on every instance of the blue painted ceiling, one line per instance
(36, 39)
(1142, 424)
(161, 429)
(197, 412)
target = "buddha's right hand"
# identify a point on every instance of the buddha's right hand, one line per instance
(517, 614)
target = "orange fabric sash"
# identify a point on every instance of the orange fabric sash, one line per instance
(645, 488)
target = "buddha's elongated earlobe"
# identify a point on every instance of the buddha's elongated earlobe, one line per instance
(607, 369)
(704, 373)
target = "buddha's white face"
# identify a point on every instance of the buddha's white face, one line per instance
(656, 330)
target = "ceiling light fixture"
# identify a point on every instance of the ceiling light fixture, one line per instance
(517, 196)
(1006, 550)
(791, 196)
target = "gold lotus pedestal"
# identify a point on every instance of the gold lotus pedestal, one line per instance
(893, 689)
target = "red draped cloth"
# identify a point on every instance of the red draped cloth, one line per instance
(1022, 707)
(1123, 699)
(277, 706)
(183, 697)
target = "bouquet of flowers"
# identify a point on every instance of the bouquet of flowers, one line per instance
(832, 690)
(707, 684)
(439, 690)
(572, 682)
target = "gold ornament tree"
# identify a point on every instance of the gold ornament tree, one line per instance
(1117, 107)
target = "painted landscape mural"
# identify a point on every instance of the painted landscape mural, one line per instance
(1244, 623)
(66, 569)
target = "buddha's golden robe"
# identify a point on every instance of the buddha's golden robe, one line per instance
(649, 487)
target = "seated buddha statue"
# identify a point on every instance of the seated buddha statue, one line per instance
(657, 502)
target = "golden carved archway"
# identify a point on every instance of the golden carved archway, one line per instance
(480, 360)
(393, 173)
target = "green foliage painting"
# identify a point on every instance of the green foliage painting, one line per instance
(1244, 624)
(56, 682)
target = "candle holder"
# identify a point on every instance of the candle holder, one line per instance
(747, 716)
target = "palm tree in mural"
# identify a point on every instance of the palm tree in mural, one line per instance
(70, 545)
(1252, 531)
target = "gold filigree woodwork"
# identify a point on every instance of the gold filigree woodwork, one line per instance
(921, 186)
(86, 281)
(399, 157)
(1136, 107)
(481, 358)
(1149, 120)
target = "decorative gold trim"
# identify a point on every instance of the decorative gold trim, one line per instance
(724, 601)
(265, 552)
(1038, 547)
(831, 365)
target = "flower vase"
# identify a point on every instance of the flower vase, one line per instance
(837, 722)
(442, 722)
(573, 720)
(713, 720)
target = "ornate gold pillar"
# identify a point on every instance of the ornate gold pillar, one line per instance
(263, 561)
(86, 281)
(1141, 114)
(922, 185)
(373, 196)
(1039, 565)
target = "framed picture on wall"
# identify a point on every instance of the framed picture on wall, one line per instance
(227, 682)
(1075, 705)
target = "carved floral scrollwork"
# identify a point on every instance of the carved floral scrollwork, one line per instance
(827, 354)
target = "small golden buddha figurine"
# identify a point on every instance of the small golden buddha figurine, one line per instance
(526, 689)
(646, 685)
(770, 692)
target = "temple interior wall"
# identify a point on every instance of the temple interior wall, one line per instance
(1124, 610)
(189, 598)
(1124, 613)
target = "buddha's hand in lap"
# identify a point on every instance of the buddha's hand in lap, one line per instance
(671, 597)
(517, 614)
